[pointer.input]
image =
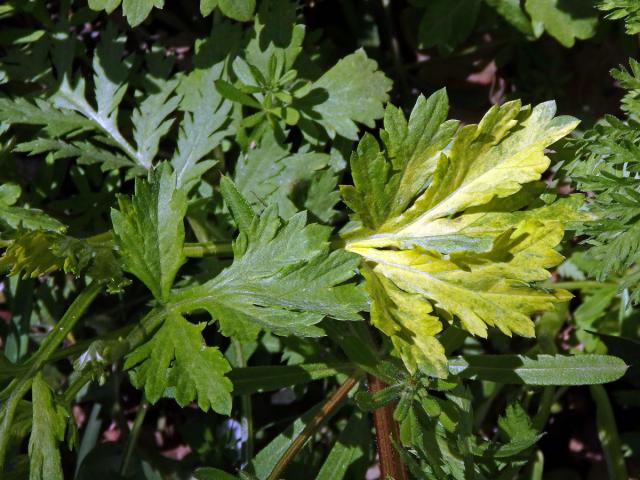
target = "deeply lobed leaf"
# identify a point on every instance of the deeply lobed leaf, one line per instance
(461, 240)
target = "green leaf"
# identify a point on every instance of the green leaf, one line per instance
(137, 11)
(149, 230)
(271, 174)
(49, 426)
(540, 370)
(348, 449)
(40, 112)
(241, 10)
(269, 378)
(262, 464)
(387, 184)
(22, 217)
(176, 362)
(111, 71)
(447, 24)
(36, 253)
(566, 20)
(352, 91)
(512, 12)
(277, 37)
(283, 277)
(629, 10)
(150, 121)
(202, 129)
(481, 265)
(106, 5)
(516, 425)
(210, 473)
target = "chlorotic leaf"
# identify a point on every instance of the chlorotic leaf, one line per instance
(149, 230)
(176, 362)
(459, 238)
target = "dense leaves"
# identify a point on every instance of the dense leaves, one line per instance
(246, 240)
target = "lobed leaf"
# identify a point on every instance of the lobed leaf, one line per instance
(459, 238)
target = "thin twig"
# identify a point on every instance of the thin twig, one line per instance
(133, 437)
(311, 427)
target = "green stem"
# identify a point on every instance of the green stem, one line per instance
(247, 409)
(20, 386)
(117, 351)
(133, 437)
(202, 249)
(75, 386)
(608, 434)
(544, 408)
(63, 327)
(314, 424)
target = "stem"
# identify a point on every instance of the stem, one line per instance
(247, 410)
(386, 431)
(198, 250)
(136, 336)
(311, 427)
(63, 327)
(544, 408)
(20, 386)
(133, 437)
(608, 434)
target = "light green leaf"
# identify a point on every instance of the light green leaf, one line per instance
(149, 230)
(48, 430)
(176, 362)
(271, 174)
(137, 11)
(41, 112)
(566, 20)
(202, 129)
(111, 71)
(540, 370)
(283, 277)
(150, 121)
(241, 10)
(352, 91)
(277, 37)
(106, 5)
(480, 265)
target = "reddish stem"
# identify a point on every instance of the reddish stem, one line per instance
(391, 465)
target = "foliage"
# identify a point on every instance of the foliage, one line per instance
(238, 242)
